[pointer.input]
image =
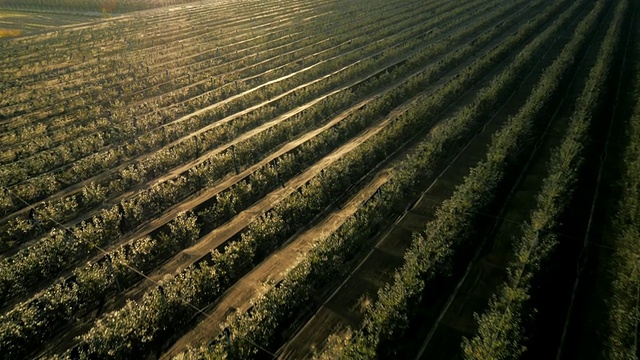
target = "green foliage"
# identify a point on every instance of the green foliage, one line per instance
(624, 273)
(500, 334)
(431, 250)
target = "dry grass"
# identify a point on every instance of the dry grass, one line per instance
(5, 33)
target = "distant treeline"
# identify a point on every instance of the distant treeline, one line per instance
(103, 6)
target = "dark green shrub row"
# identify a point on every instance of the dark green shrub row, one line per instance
(620, 342)
(500, 333)
(431, 250)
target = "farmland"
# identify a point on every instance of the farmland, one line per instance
(324, 179)
(15, 23)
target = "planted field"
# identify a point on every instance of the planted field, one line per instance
(329, 179)
(106, 7)
(19, 23)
